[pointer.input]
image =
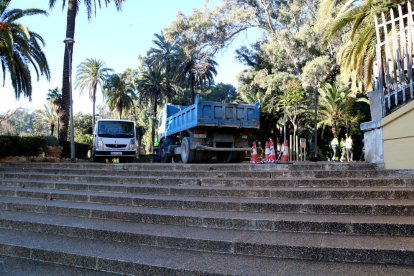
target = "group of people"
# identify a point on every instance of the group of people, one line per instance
(342, 149)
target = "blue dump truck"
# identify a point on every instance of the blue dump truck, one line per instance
(206, 131)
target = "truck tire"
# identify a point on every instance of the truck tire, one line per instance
(165, 158)
(187, 154)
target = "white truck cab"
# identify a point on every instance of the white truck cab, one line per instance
(114, 139)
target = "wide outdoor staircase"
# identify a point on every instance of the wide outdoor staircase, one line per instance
(202, 219)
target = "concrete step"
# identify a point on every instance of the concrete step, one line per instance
(25, 267)
(115, 171)
(209, 218)
(16, 187)
(218, 174)
(217, 182)
(362, 224)
(400, 207)
(320, 247)
(149, 260)
(299, 166)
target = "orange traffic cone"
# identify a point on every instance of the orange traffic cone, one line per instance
(285, 156)
(272, 155)
(253, 156)
(267, 152)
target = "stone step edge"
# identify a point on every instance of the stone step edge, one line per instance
(240, 182)
(276, 173)
(366, 255)
(143, 261)
(342, 224)
(155, 234)
(31, 174)
(126, 187)
(134, 199)
(54, 191)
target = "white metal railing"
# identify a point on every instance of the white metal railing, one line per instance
(393, 67)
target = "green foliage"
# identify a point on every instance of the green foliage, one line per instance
(81, 150)
(120, 93)
(81, 123)
(25, 146)
(335, 106)
(316, 71)
(83, 139)
(20, 49)
(28, 124)
(221, 92)
(90, 76)
(354, 21)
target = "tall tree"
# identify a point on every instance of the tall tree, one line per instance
(73, 6)
(47, 117)
(165, 55)
(294, 104)
(151, 88)
(20, 49)
(335, 105)
(222, 92)
(197, 70)
(90, 76)
(54, 97)
(120, 94)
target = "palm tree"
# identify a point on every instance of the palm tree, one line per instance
(54, 97)
(20, 49)
(47, 116)
(165, 55)
(196, 70)
(72, 11)
(152, 87)
(92, 74)
(335, 106)
(120, 94)
(357, 54)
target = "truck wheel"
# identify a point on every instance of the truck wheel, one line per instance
(164, 154)
(187, 154)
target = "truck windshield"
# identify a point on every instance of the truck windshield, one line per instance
(116, 129)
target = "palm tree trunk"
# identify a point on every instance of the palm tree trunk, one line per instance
(93, 107)
(70, 33)
(154, 115)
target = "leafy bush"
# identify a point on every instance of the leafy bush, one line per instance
(84, 139)
(81, 150)
(25, 146)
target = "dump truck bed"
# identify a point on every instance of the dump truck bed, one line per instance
(212, 114)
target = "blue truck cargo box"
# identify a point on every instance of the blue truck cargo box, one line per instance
(211, 114)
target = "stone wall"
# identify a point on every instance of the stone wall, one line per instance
(373, 142)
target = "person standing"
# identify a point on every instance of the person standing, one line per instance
(348, 148)
(342, 146)
(334, 146)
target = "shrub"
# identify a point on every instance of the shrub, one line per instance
(25, 146)
(81, 150)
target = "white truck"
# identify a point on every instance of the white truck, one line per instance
(114, 139)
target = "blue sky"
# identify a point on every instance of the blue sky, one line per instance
(118, 38)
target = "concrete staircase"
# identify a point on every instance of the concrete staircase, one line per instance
(234, 219)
